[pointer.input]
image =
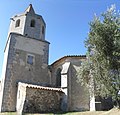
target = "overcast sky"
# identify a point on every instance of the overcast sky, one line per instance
(67, 22)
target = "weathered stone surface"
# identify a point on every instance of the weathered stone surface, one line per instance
(37, 99)
(25, 28)
(42, 101)
(77, 96)
(18, 69)
(26, 60)
(24, 41)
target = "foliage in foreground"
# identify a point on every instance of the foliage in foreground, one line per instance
(103, 57)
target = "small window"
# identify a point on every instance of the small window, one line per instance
(32, 24)
(17, 23)
(43, 30)
(30, 59)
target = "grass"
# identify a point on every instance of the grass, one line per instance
(110, 112)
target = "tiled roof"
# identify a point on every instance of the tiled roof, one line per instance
(40, 87)
(72, 56)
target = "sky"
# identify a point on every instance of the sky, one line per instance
(67, 22)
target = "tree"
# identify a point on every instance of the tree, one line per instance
(103, 57)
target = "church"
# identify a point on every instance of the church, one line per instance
(28, 83)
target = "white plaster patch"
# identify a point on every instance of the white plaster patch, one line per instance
(92, 103)
(9, 66)
(14, 61)
(77, 68)
(44, 66)
(63, 80)
(27, 68)
(21, 94)
(65, 67)
(22, 63)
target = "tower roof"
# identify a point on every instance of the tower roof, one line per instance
(30, 9)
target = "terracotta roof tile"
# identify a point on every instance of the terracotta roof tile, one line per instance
(72, 56)
(40, 87)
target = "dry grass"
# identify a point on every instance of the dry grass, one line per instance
(111, 112)
(114, 111)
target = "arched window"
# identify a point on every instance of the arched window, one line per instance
(58, 78)
(32, 24)
(43, 30)
(17, 23)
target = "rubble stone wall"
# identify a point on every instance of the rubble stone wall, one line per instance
(39, 100)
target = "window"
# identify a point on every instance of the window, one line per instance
(58, 78)
(17, 23)
(30, 59)
(43, 30)
(32, 24)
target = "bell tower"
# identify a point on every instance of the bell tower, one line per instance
(25, 56)
(28, 24)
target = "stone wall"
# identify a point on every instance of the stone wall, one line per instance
(17, 69)
(77, 96)
(24, 27)
(38, 99)
(35, 32)
(4, 73)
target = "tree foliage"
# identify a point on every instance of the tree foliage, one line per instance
(103, 57)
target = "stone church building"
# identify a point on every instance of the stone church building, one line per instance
(28, 84)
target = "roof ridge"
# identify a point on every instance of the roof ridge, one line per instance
(68, 56)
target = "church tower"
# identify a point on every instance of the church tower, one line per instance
(25, 56)
(28, 24)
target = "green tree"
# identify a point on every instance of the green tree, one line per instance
(103, 57)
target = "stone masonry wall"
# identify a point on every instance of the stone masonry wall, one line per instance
(38, 100)
(3, 78)
(34, 32)
(7, 79)
(79, 94)
(18, 70)
(24, 27)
